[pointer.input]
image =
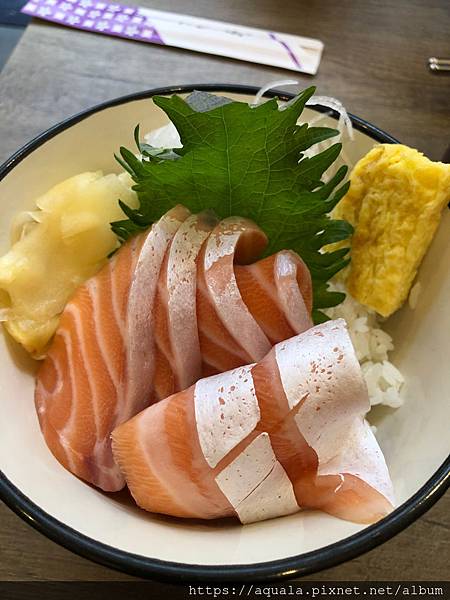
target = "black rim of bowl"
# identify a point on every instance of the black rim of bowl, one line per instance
(141, 566)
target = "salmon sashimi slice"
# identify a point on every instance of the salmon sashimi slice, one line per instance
(166, 457)
(165, 310)
(229, 334)
(269, 438)
(160, 455)
(140, 345)
(211, 461)
(178, 357)
(278, 292)
(99, 369)
(278, 419)
(324, 388)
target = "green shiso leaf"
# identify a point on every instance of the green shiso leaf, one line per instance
(246, 161)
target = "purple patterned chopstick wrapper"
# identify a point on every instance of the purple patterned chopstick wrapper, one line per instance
(193, 33)
(102, 17)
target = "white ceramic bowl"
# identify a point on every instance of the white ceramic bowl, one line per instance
(109, 528)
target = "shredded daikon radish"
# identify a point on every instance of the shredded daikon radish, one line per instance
(336, 105)
(273, 84)
(344, 128)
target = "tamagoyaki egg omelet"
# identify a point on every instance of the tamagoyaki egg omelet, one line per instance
(395, 201)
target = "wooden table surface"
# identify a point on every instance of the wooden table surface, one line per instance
(374, 61)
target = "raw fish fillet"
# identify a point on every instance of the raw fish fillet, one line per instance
(263, 440)
(99, 369)
(207, 305)
(177, 347)
(277, 290)
(171, 306)
(243, 310)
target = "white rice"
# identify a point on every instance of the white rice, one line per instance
(372, 346)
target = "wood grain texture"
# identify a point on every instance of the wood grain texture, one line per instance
(374, 61)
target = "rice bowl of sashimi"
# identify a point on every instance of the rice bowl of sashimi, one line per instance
(223, 354)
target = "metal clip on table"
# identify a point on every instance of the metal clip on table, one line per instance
(439, 64)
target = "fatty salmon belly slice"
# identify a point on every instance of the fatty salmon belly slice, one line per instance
(325, 391)
(263, 440)
(278, 292)
(140, 340)
(350, 498)
(278, 418)
(229, 334)
(358, 476)
(83, 386)
(227, 414)
(197, 454)
(79, 383)
(177, 348)
(159, 454)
